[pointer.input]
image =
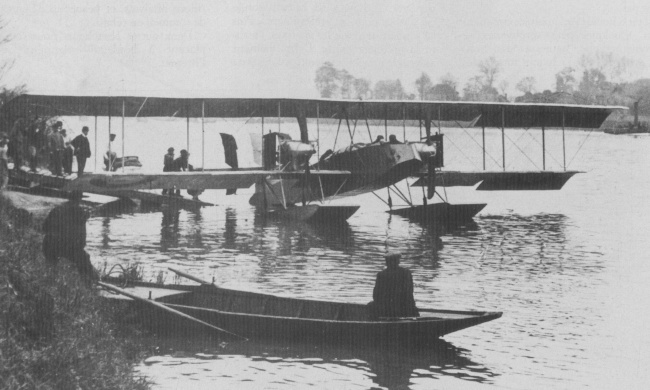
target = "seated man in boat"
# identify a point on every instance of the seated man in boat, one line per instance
(378, 140)
(393, 292)
(65, 236)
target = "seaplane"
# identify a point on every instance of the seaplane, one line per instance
(289, 185)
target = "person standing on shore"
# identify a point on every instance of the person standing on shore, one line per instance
(17, 149)
(56, 145)
(65, 236)
(81, 150)
(68, 153)
(393, 292)
(4, 162)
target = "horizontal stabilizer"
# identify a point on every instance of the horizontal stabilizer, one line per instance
(501, 181)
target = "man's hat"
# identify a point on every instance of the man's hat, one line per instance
(58, 124)
(184, 152)
(170, 149)
(392, 256)
(85, 129)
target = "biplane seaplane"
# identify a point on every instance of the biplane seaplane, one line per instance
(288, 184)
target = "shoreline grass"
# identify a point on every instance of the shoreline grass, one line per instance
(55, 331)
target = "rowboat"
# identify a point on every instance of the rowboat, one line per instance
(257, 315)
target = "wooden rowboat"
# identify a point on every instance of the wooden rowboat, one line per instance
(255, 315)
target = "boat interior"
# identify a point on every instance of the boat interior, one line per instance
(244, 302)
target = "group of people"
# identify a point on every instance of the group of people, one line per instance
(392, 139)
(33, 142)
(62, 150)
(180, 164)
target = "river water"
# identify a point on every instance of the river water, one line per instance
(569, 269)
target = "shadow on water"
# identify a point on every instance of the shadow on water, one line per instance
(301, 236)
(169, 229)
(386, 367)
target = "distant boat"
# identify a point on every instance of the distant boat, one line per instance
(255, 315)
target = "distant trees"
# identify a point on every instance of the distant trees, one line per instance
(526, 85)
(481, 87)
(361, 88)
(389, 90)
(334, 83)
(6, 93)
(423, 85)
(600, 78)
(565, 81)
(444, 90)
(327, 78)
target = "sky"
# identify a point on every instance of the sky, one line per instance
(272, 48)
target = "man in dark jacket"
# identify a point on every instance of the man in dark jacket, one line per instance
(56, 145)
(81, 149)
(65, 236)
(167, 166)
(393, 292)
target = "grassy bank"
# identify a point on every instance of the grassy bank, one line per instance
(55, 332)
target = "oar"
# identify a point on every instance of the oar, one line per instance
(190, 277)
(167, 309)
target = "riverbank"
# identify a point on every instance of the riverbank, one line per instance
(55, 332)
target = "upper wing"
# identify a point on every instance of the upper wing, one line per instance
(492, 114)
(220, 180)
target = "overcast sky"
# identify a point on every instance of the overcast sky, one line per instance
(273, 48)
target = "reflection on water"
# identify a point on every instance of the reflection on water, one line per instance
(169, 231)
(184, 363)
(569, 270)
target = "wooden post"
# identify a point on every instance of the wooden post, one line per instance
(543, 149)
(563, 142)
(483, 127)
(385, 122)
(110, 160)
(279, 116)
(404, 121)
(503, 137)
(439, 118)
(187, 130)
(203, 135)
(318, 131)
(96, 143)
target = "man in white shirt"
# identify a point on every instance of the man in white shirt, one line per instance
(68, 153)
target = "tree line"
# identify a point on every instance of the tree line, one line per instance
(6, 92)
(598, 79)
